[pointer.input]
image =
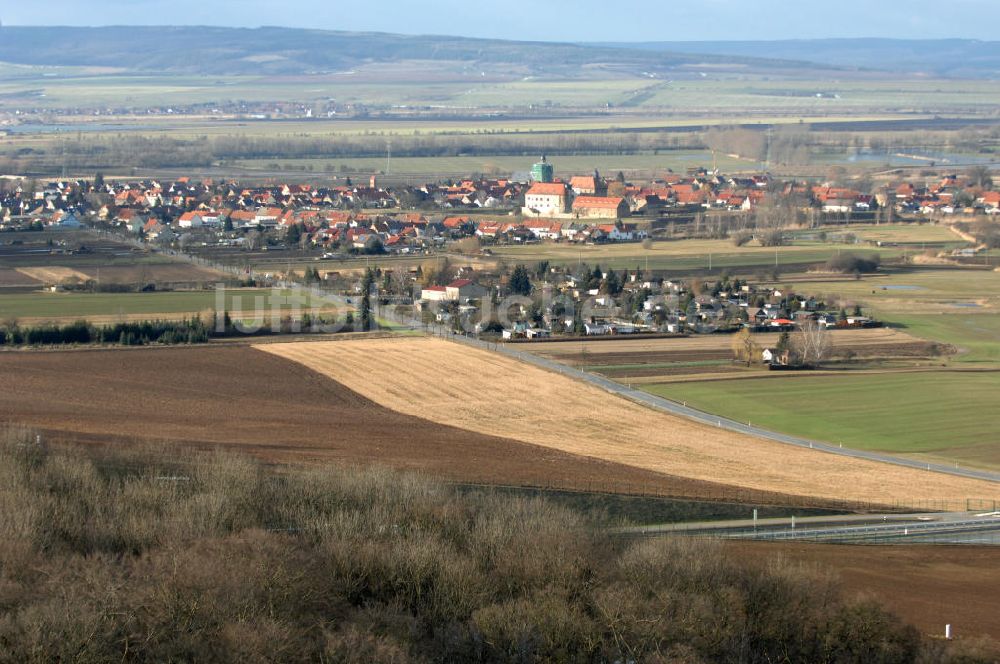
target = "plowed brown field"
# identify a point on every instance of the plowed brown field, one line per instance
(926, 585)
(281, 411)
(496, 395)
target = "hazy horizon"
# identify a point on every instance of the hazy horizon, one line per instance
(554, 21)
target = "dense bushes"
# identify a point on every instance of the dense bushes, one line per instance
(852, 263)
(141, 557)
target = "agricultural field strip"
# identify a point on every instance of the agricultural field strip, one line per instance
(617, 349)
(474, 389)
(242, 304)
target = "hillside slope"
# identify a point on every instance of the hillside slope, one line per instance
(275, 50)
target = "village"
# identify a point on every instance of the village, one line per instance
(372, 218)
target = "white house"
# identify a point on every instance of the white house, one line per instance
(434, 294)
(545, 199)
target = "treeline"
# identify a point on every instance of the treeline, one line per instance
(790, 145)
(166, 555)
(190, 331)
(787, 145)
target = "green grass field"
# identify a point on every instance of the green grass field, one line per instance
(901, 292)
(937, 414)
(977, 336)
(908, 234)
(241, 303)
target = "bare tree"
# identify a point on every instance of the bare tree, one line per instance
(980, 176)
(812, 343)
(252, 240)
(744, 347)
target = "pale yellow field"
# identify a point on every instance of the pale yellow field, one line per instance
(493, 394)
(52, 275)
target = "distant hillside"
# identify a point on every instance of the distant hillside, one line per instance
(211, 50)
(945, 57)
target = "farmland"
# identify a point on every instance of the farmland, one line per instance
(240, 398)
(911, 290)
(247, 304)
(48, 258)
(927, 415)
(922, 584)
(976, 336)
(649, 361)
(407, 84)
(451, 384)
(686, 255)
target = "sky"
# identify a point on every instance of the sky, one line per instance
(546, 20)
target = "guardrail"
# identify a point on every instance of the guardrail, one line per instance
(870, 532)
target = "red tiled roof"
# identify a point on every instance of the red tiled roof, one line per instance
(547, 189)
(598, 202)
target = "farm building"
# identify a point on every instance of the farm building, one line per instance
(463, 290)
(600, 207)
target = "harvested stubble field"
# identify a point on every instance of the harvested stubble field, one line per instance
(495, 395)
(52, 275)
(238, 397)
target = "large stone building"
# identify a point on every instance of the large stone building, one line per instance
(545, 199)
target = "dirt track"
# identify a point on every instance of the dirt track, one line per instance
(927, 586)
(495, 395)
(282, 411)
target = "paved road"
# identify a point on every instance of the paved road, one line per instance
(847, 528)
(674, 408)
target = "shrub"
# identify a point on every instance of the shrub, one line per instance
(165, 555)
(852, 263)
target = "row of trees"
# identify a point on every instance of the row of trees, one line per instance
(189, 331)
